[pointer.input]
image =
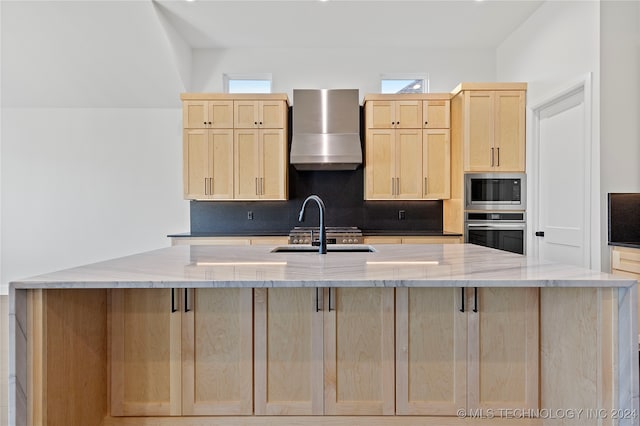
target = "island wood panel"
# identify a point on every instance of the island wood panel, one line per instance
(503, 348)
(68, 354)
(359, 351)
(578, 357)
(625, 262)
(145, 352)
(288, 351)
(322, 421)
(431, 351)
(217, 352)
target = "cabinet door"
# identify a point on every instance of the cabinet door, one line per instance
(479, 155)
(509, 131)
(221, 114)
(246, 114)
(408, 163)
(196, 164)
(272, 114)
(503, 349)
(380, 165)
(195, 114)
(272, 182)
(217, 357)
(145, 353)
(380, 114)
(408, 114)
(359, 351)
(246, 164)
(288, 351)
(431, 350)
(221, 157)
(436, 164)
(436, 114)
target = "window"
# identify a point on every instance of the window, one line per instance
(247, 83)
(404, 83)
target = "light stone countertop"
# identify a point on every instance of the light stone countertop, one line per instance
(419, 265)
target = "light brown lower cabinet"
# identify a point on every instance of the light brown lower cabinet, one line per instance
(324, 351)
(181, 352)
(480, 355)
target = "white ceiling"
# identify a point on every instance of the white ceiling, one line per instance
(346, 23)
(138, 53)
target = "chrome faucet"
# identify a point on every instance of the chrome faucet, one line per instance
(323, 235)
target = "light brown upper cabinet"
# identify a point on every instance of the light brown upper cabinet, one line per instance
(393, 164)
(394, 114)
(208, 164)
(203, 114)
(436, 114)
(252, 114)
(494, 130)
(436, 164)
(216, 127)
(260, 164)
(402, 160)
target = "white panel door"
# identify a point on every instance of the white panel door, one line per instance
(563, 182)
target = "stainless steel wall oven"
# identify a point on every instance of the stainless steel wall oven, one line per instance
(500, 230)
(495, 215)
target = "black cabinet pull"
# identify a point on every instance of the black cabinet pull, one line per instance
(186, 300)
(539, 233)
(317, 300)
(462, 299)
(329, 299)
(173, 300)
(475, 299)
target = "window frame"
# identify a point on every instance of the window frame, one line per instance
(228, 77)
(407, 76)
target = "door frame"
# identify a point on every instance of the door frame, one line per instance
(591, 167)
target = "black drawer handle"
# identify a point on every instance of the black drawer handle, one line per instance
(539, 233)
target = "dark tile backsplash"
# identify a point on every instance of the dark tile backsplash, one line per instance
(342, 193)
(343, 196)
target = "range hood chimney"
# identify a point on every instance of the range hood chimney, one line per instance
(326, 129)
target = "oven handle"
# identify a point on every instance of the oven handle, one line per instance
(500, 226)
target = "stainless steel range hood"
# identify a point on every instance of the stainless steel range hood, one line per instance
(326, 129)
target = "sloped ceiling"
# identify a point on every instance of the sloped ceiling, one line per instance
(347, 23)
(89, 54)
(137, 53)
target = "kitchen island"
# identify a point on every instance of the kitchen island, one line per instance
(421, 334)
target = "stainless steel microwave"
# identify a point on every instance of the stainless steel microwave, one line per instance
(495, 191)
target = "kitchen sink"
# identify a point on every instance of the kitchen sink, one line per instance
(352, 248)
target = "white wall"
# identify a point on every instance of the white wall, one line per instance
(83, 185)
(332, 68)
(558, 45)
(619, 102)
